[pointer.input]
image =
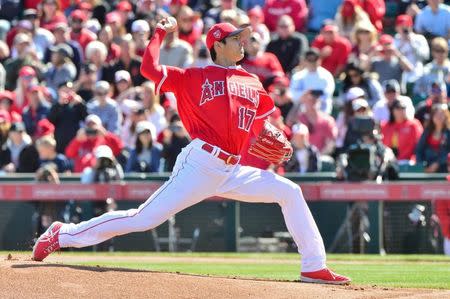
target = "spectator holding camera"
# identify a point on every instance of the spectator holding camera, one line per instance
(313, 77)
(81, 148)
(85, 85)
(105, 168)
(306, 157)
(66, 115)
(400, 133)
(412, 45)
(146, 155)
(434, 144)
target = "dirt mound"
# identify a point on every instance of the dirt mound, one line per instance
(23, 278)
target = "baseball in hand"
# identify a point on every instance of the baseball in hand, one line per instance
(170, 24)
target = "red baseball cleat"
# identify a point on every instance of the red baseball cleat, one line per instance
(324, 276)
(47, 243)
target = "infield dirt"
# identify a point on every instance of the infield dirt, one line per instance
(22, 278)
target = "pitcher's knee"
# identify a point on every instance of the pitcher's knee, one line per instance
(291, 192)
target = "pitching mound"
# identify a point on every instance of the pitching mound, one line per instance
(23, 278)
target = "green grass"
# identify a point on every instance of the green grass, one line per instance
(407, 271)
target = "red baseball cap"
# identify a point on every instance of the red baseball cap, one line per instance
(220, 31)
(5, 117)
(27, 71)
(113, 17)
(124, 6)
(44, 127)
(386, 39)
(404, 20)
(330, 27)
(348, 8)
(178, 2)
(78, 14)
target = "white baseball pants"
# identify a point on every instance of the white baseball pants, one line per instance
(198, 175)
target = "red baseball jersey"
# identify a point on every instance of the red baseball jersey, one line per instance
(216, 104)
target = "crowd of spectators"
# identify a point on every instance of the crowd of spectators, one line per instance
(70, 79)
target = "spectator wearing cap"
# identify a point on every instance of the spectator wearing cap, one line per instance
(400, 133)
(288, 45)
(437, 70)
(146, 155)
(105, 36)
(322, 127)
(437, 95)
(105, 107)
(388, 62)
(334, 49)
(190, 25)
(281, 95)
(117, 23)
(51, 14)
(25, 57)
(265, 65)
(66, 115)
(176, 52)
(61, 68)
(355, 76)
(306, 157)
(46, 147)
(128, 129)
(18, 153)
(79, 32)
(391, 93)
(62, 36)
(296, 9)
(434, 144)
(81, 148)
(122, 80)
(44, 128)
(38, 108)
(313, 77)
(433, 20)
(7, 105)
(412, 45)
(140, 30)
(360, 109)
(349, 16)
(27, 78)
(96, 53)
(125, 10)
(256, 16)
(128, 60)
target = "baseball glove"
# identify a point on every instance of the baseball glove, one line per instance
(271, 145)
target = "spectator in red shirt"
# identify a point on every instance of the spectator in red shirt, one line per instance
(334, 49)
(296, 9)
(321, 126)
(79, 33)
(349, 16)
(81, 148)
(189, 25)
(376, 10)
(400, 133)
(263, 64)
(7, 106)
(51, 14)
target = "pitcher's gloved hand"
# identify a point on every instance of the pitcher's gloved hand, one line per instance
(271, 145)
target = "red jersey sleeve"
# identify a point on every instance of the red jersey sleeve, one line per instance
(166, 78)
(266, 106)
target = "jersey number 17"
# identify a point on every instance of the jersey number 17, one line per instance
(246, 118)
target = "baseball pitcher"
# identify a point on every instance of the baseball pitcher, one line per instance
(219, 105)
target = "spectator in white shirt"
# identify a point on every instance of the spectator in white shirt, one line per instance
(313, 77)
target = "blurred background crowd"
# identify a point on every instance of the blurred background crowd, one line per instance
(361, 86)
